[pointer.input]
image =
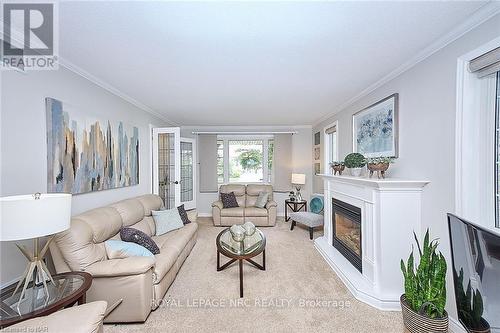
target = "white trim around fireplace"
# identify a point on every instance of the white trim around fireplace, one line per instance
(390, 212)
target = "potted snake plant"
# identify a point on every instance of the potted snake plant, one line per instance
(424, 299)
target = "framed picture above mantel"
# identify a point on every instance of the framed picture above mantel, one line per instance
(375, 129)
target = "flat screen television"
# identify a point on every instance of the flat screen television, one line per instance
(476, 273)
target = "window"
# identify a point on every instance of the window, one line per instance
(331, 147)
(244, 159)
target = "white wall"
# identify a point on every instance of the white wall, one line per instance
(301, 160)
(427, 106)
(23, 141)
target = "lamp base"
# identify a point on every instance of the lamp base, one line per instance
(36, 268)
(298, 195)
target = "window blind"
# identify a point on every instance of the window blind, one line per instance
(282, 162)
(331, 130)
(207, 153)
(486, 64)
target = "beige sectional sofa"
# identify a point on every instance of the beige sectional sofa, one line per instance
(140, 281)
(246, 195)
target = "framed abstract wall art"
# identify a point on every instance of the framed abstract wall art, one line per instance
(375, 129)
(88, 155)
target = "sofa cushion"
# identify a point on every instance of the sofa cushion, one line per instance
(140, 238)
(167, 220)
(104, 222)
(146, 225)
(150, 202)
(229, 200)
(255, 211)
(117, 249)
(237, 211)
(253, 191)
(239, 191)
(130, 210)
(171, 245)
(77, 246)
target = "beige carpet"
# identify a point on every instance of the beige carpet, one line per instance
(298, 292)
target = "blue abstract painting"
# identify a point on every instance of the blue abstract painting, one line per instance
(83, 156)
(375, 129)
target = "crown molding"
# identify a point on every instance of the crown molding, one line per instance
(480, 16)
(245, 128)
(106, 86)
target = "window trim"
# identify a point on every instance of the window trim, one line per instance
(265, 153)
(326, 145)
(473, 203)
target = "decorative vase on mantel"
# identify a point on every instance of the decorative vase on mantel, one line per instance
(355, 162)
(337, 167)
(379, 165)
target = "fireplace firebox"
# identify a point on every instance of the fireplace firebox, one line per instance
(346, 222)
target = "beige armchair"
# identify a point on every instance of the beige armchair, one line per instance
(246, 195)
(86, 318)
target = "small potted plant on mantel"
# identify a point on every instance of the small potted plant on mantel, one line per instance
(337, 167)
(379, 164)
(355, 162)
(424, 299)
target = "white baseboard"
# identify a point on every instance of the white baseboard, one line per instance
(455, 326)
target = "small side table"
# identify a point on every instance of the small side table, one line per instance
(69, 288)
(295, 206)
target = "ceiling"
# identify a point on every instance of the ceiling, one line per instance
(242, 63)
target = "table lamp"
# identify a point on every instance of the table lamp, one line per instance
(297, 180)
(32, 217)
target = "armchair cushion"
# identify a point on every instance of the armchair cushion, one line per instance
(255, 211)
(231, 212)
(121, 267)
(85, 318)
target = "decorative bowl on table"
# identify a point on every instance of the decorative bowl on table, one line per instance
(237, 233)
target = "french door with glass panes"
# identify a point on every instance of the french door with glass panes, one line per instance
(174, 168)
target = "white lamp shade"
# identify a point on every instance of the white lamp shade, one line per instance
(24, 217)
(298, 178)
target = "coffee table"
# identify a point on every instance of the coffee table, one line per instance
(70, 288)
(238, 251)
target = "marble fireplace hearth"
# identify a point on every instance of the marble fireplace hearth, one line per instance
(390, 210)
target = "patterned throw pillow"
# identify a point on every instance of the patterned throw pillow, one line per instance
(229, 200)
(262, 200)
(138, 237)
(183, 214)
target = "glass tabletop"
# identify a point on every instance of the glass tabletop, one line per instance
(247, 246)
(35, 298)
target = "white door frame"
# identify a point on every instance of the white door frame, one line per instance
(176, 131)
(192, 204)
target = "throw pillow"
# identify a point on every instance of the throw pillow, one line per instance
(183, 214)
(262, 200)
(139, 237)
(229, 200)
(167, 220)
(117, 249)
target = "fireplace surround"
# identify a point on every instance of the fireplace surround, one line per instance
(346, 226)
(388, 211)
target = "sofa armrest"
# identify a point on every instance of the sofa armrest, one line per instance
(270, 204)
(218, 204)
(121, 267)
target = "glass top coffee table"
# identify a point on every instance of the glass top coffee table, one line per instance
(69, 289)
(250, 247)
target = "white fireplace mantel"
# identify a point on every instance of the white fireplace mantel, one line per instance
(390, 212)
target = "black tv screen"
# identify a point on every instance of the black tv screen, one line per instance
(476, 274)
